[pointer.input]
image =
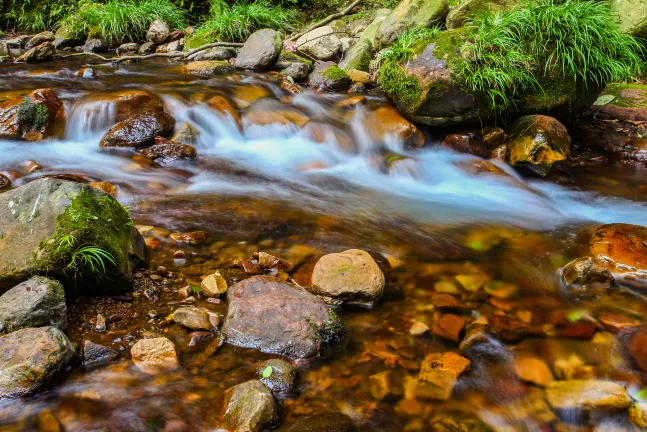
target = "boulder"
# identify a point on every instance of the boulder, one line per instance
(622, 249)
(46, 226)
(158, 32)
(326, 422)
(46, 36)
(127, 103)
(127, 48)
(37, 302)
(587, 396)
(320, 44)
(294, 66)
(30, 358)
(165, 152)
(360, 55)
(260, 51)
(206, 67)
(268, 111)
(146, 48)
(631, 15)
(66, 38)
(176, 46)
(351, 277)
(155, 355)
(94, 46)
(41, 52)
(95, 355)
(537, 141)
(278, 375)
(277, 317)
(31, 117)
(139, 130)
(327, 76)
(466, 10)
(585, 273)
(196, 318)
(247, 407)
(410, 14)
(386, 122)
(217, 53)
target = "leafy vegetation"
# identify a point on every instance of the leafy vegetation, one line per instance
(92, 258)
(234, 23)
(34, 15)
(34, 116)
(119, 21)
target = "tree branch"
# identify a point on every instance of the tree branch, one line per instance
(326, 20)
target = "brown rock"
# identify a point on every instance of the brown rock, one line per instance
(438, 375)
(634, 340)
(42, 52)
(588, 396)
(446, 301)
(139, 130)
(196, 318)
(386, 120)
(622, 249)
(449, 327)
(194, 238)
(127, 103)
(533, 370)
(5, 183)
(351, 102)
(155, 355)
(206, 67)
(386, 386)
(224, 106)
(586, 273)
(616, 322)
(247, 407)
(214, 285)
(470, 142)
(246, 95)
(418, 328)
(512, 330)
(269, 111)
(165, 152)
(33, 116)
(106, 187)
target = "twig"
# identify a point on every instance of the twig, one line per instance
(326, 20)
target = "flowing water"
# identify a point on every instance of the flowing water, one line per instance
(275, 189)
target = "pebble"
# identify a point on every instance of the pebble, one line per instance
(449, 327)
(418, 328)
(100, 324)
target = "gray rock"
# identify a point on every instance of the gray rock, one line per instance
(146, 48)
(95, 355)
(42, 52)
(217, 53)
(129, 48)
(326, 422)
(408, 15)
(38, 302)
(18, 41)
(176, 45)
(249, 406)
(320, 44)
(44, 222)
(30, 358)
(280, 375)
(327, 76)
(139, 130)
(158, 32)
(297, 71)
(197, 318)
(360, 55)
(39, 38)
(94, 46)
(260, 51)
(277, 317)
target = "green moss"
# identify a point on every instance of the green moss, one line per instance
(290, 57)
(400, 86)
(32, 116)
(330, 331)
(615, 89)
(198, 39)
(334, 73)
(451, 46)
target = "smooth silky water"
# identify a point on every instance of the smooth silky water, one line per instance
(272, 189)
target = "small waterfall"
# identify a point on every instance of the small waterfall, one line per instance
(87, 119)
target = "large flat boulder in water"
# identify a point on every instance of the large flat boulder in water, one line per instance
(139, 130)
(30, 358)
(48, 224)
(38, 302)
(276, 317)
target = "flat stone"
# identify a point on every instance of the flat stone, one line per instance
(196, 318)
(214, 285)
(438, 375)
(622, 249)
(533, 370)
(155, 355)
(449, 327)
(588, 396)
(95, 355)
(38, 302)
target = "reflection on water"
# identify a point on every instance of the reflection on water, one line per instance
(276, 188)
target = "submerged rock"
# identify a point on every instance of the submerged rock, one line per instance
(38, 302)
(326, 422)
(260, 51)
(268, 111)
(622, 249)
(634, 340)
(155, 355)
(47, 223)
(386, 122)
(31, 117)
(30, 358)
(458, 422)
(196, 318)
(589, 396)
(410, 14)
(165, 152)
(278, 375)
(95, 355)
(277, 317)
(585, 273)
(139, 130)
(247, 407)
(351, 277)
(438, 375)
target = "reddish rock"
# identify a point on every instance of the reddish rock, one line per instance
(512, 330)
(446, 301)
(386, 120)
(616, 322)
(31, 117)
(579, 330)
(5, 183)
(165, 152)
(195, 237)
(449, 327)
(226, 108)
(622, 249)
(634, 340)
(470, 142)
(139, 130)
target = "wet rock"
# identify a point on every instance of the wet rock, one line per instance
(418, 328)
(386, 386)
(585, 273)
(533, 370)
(464, 11)
(46, 36)
(41, 231)
(410, 14)
(587, 396)
(447, 301)
(512, 330)
(158, 32)
(95, 355)
(146, 48)
(105, 187)
(214, 285)
(616, 322)
(269, 111)
(42, 52)
(351, 277)
(155, 355)
(194, 237)
(196, 318)
(100, 323)
(127, 103)
(297, 71)
(502, 290)
(449, 327)
(94, 46)
(458, 422)
(30, 358)
(5, 182)
(277, 317)
(260, 51)
(205, 344)
(127, 48)
(217, 53)
(320, 44)
(139, 130)
(634, 340)
(206, 67)
(479, 343)
(327, 76)
(386, 121)
(326, 422)
(438, 375)
(38, 302)
(470, 142)
(278, 375)
(247, 407)
(622, 249)
(537, 141)
(223, 106)
(638, 414)
(165, 152)
(185, 133)
(357, 87)
(33, 115)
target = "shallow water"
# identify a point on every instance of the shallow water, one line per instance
(273, 189)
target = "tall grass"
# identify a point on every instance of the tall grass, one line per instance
(119, 21)
(34, 15)
(575, 39)
(234, 23)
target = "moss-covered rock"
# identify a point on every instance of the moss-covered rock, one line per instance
(361, 54)
(249, 406)
(623, 102)
(327, 76)
(206, 67)
(55, 227)
(469, 9)
(30, 117)
(631, 15)
(37, 302)
(410, 14)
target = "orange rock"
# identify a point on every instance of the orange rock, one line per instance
(622, 249)
(224, 106)
(533, 370)
(449, 327)
(106, 187)
(387, 120)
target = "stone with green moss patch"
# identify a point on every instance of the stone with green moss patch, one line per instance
(470, 9)
(328, 76)
(249, 406)
(68, 231)
(31, 115)
(286, 58)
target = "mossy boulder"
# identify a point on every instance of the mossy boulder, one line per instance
(292, 65)
(631, 15)
(427, 90)
(49, 225)
(469, 9)
(360, 55)
(327, 76)
(410, 14)
(622, 102)
(31, 117)
(206, 67)
(37, 302)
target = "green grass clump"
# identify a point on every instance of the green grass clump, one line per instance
(334, 73)
(236, 22)
(34, 15)
(576, 39)
(119, 21)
